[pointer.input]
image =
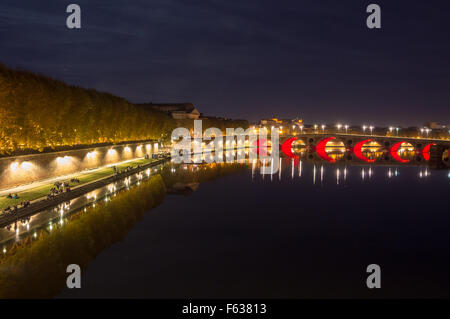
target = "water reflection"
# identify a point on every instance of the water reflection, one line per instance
(182, 179)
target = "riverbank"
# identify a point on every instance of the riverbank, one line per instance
(43, 203)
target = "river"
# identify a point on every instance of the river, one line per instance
(307, 231)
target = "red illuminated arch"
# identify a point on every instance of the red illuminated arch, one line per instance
(394, 152)
(286, 147)
(358, 153)
(426, 151)
(320, 149)
(261, 146)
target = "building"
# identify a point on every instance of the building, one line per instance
(178, 111)
(434, 125)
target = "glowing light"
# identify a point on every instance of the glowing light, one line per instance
(127, 149)
(63, 160)
(111, 151)
(14, 166)
(91, 155)
(26, 166)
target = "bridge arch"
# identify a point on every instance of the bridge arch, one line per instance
(395, 151)
(426, 151)
(357, 150)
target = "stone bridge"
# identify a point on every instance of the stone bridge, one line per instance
(424, 148)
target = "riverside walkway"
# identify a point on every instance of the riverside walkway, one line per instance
(44, 203)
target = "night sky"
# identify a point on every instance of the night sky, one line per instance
(314, 59)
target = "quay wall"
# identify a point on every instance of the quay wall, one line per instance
(25, 169)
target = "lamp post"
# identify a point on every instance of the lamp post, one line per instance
(323, 128)
(339, 127)
(346, 128)
(421, 131)
(364, 129)
(427, 130)
(397, 130)
(315, 127)
(371, 130)
(391, 129)
(301, 128)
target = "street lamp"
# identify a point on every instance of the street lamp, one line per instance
(346, 128)
(427, 130)
(397, 130)
(371, 129)
(323, 128)
(339, 127)
(391, 129)
(421, 131)
(315, 127)
(364, 128)
(301, 128)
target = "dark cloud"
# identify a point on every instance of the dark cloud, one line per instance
(246, 59)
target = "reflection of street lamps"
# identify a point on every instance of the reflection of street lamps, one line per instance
(371, 129)
(346, 128)
(323, 128)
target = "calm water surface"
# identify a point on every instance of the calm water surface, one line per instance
(307, 232)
